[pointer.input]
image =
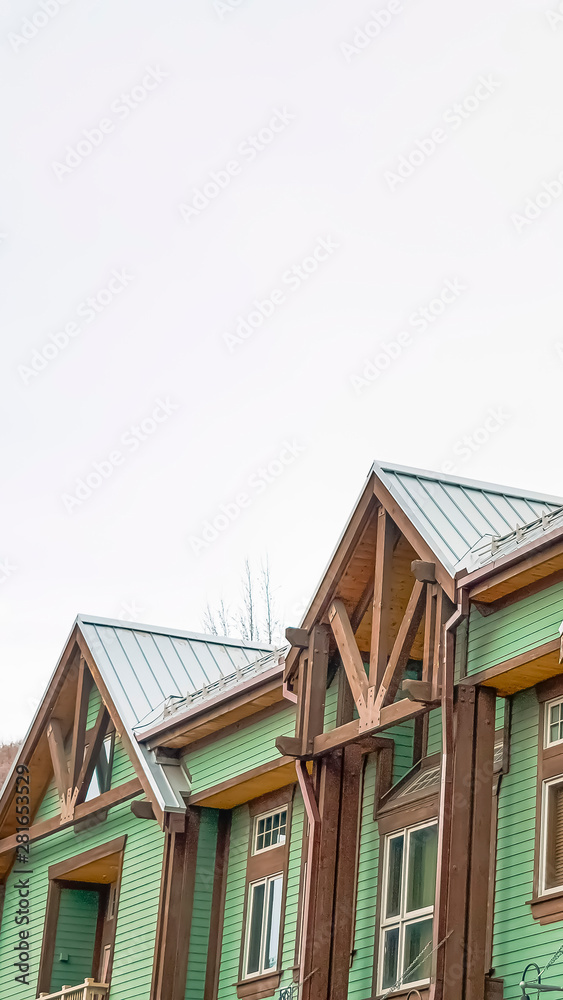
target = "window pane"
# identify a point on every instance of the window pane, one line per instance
(273, 924)
(255, 929)
(394, 871)
(421, 883)
(554, 838)
(417, 937)
(390, 954)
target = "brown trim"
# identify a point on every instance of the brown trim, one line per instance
(87, 857)
(259, 986)
(239, 779)
(403, 816)
(516, 562)
(346, 871)
(112, 798)
(544, 583)
(217, 906)
(515, 661)
(328, 779)
(49, 935)
(80, 718)
(225, 702)
(175, 911)
(547, 909)
(265, 864)
(550, 689)
(92, 754)
(391, 715)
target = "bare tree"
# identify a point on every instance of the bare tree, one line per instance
(7, 753)
(254, 619)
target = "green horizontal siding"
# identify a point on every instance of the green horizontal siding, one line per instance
(239, 751)
(434, 731)
(138, 903)
(203, 896)
(331, 703)
(403, 737)
(364, 941)
(514, 630)
(94, 705)
(75, 938)
(518, 938)
(122, 769)
(50, 805)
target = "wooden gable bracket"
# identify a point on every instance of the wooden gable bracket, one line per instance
(73, 775)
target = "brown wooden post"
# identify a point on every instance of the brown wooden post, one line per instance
(313, 692)
(479, 869)
(381, 617)
(345, 897)
(453, 972)
(175, 911)
(320, 922)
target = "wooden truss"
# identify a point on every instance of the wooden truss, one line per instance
(73, 767)
(373, 687)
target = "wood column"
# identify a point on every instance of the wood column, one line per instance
(346, 871)
(175, 910)
(327, 779)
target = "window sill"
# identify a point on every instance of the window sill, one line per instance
(549, 908)
(403, 994)
(259, 986)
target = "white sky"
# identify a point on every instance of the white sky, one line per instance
(349, 116)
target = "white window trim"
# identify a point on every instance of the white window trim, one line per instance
(546, 712)
(250, 902)
(401, 920)
(264, 815)
(546, 785)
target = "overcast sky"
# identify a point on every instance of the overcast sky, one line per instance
(246, 248)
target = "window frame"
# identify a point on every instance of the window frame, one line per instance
(404, 918)
(547, 784)
(266, 863)
(266, 881)
(546, 904)
(547, 743)
(264, 815)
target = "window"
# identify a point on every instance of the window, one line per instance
(101, 778)
(552, 835)
(409, 882)
(263, 925)
(269, 830)
(553, 723)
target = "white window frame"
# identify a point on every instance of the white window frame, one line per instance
(262, 971)
(264, 815)
(402, 919)
(546, 785)
(546, 712)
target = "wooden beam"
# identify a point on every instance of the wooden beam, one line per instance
(289, 746)
(400, 711)
(346, 871)
(381, 617)
(401, 649)
(58, 757)
(321, 914)
(419, 690)
(216, 923)
(348, 648)
(97, 738)
(313, 692)
(105, 801)
(425, 572)
(297, 637)
(429, 632)
(79, 725)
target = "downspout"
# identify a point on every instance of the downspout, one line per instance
(314, 819)
(446, 794)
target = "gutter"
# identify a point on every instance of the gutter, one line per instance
(465, 580)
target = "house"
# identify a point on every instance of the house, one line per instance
(376, 812)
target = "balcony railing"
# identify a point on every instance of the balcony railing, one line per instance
(88, 990)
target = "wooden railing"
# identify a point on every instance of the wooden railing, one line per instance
(88, 990)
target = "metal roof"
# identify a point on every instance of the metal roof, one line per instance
(454, 515)
(144, 666)
(494, 547)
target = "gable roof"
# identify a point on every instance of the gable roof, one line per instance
(454, 514)
(141, 667)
